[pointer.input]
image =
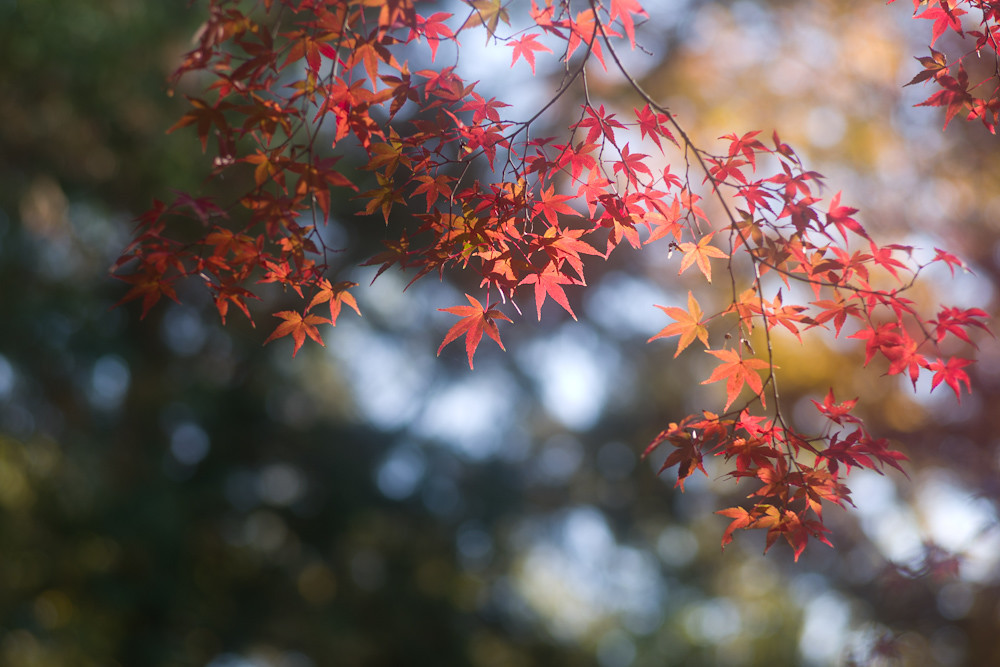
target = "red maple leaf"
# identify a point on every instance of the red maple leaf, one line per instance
(755, 196)
(903, 356)
(732, 168)
(632, 163)
(751, 455)
(951, 373)
(943, 20)
(837, 412)
(878, 338)
(584, 32)
(150, 286)
(550, 205)
(434, 29)
(599, 123)
(526, 48)
(565, 245)
(231, 293)
(651, 124)
(476, 320)
(955, 96)
(624, 9)
(836, 310)
(797, 532)
(748, 145)
(840, 216)
(548, 282)
(687, 457)
(955, 321)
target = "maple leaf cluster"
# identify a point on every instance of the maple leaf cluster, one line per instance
(296, 85)
(974, 26)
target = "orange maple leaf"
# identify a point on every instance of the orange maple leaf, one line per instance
(688, 325)
(298, 327)
(476, 320)
(337, 295)
(664, 222)
(741, 519)
(382, 198)
(565, 244)
(737, 371)
(487, 13)
(699, 253)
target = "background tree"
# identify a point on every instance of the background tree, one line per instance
(192, 445)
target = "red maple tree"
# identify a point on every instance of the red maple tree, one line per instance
(292, 86)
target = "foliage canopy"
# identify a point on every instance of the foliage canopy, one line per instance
(307, 97)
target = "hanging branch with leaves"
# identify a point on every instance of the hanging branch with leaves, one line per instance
(294, 87)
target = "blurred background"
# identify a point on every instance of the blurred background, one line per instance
(173, 493)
